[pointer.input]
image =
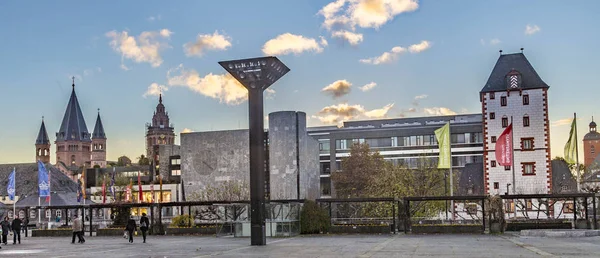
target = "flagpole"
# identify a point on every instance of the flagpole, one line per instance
(451, 175)
(512, 142)
(577, 154)
(15, 194)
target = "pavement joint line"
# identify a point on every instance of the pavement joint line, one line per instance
(96, 252)
(240, 248)
(378, 247)
(528, 247)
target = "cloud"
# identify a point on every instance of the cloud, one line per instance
(288, 43)
(206, 42)
(144, 48)
(337, 114)
(338, 88)
(155, 89)
(368, 86)
(531, 29)
(124, 67)
(223, 87)
(422, 96)
(392, 55)
(418, 48)
(187, 130)
(154, 18)
(347, 15)
(439, 111)
(495, 42)
(562, 122)
(351, 37)
(269, 94)
(323, 41)
(412, 110)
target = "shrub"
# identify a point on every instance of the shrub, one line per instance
(313, 219)
(182, 221)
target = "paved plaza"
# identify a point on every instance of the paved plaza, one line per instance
(400, 245)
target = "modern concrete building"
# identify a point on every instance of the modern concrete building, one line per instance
(400, 141)
(211, 158)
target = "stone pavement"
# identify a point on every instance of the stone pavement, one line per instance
(508, 245)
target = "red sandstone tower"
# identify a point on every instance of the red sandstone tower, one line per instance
(42, 145)
(591, 145)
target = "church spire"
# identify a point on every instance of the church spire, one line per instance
(42, 137)
(99, 128)
(73, 127)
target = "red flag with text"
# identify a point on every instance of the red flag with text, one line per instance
(140, 193)
(504, 147)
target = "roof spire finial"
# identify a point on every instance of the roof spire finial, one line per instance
(522, 50)
(73, 82)
(98, 111)
(43, 119)
(160, 96)
(500, 51)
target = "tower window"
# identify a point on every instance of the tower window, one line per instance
(592, 149)
(504, 122)
(493, 163)
(528, 168)
(492, 95)
(496, 185)
(506, 168)
(526, 121)
(503, 101)
(526, 143)
(493, 139)
(492, 115)
(525, 99)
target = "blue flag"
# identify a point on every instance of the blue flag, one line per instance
(10, 189)
(43, 184)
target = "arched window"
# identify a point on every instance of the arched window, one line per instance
(526, 120)
(525, 99)
(504, 121)
(39, 152)
(593, 149)
(73, 159)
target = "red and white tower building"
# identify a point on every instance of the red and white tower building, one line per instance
(515, 92)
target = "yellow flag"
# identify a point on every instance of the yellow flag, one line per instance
(443, 137)
(83, 182)
(571, 146)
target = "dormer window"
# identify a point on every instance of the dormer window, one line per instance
(513, 80)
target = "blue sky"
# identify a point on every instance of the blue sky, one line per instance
(454, 47)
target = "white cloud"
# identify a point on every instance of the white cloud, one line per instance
(223, 87)
(562, 122)
(531, 29)
(155, 89)
(144, 48)
(187, 130)
(352, 38)
(392, 55)
(347, 15)
(269, 93)
(439, 111)
(368, 86)
(337, 114)
(323, 41)
(155, 18)
(288, 43)
(422, 96)
(495, 42)
(124, 67)
(205, 42)
(338, 88)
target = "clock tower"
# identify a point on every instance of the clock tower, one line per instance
(159, 132)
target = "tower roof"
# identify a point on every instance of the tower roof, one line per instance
(98, 129)
(42, 137)
(73, 127)
(513, 62)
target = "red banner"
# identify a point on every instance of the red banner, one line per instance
(140, 193)
(103, 191)
(504, 147)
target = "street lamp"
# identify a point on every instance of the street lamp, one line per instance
(507, 187)
(256, 74)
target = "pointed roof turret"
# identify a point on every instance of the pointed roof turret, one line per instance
(515, 63)
(42, 137)
(73, 127)
(98, 129)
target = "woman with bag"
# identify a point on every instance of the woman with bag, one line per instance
(131, 226)
(144, 224)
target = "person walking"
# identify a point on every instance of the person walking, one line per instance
(16, 229)
(131, 226)
(77, 230)
(5, 230)
(24, 227)
(144, 224)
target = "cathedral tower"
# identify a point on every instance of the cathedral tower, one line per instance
(159, 132)
(591, 145)
(42, 145)
(99, 144)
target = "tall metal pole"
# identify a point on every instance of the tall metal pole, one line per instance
(577, 155)
(451, 174)
(512, 149)
(257, 167)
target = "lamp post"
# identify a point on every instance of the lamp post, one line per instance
(256, 75)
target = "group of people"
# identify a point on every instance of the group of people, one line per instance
(129, 229)
(15, 227)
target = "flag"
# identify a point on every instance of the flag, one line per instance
(504, 147)
(571, 146)
(140, 193)
(152, 191)
(112, 184)
(128, 197)
(79, 194)
(10, 188)
(82, 178)
(43, 182)
(443, 137)
(104, 190)
(161, 195)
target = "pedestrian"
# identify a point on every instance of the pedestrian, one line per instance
(131, 226)
(144, 224)
(25, 223)
(16, 229)
(5, 229)
(77, 230)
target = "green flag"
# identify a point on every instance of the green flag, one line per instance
(443, 137)
(571, 146)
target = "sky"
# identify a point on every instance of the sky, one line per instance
(349, 60)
